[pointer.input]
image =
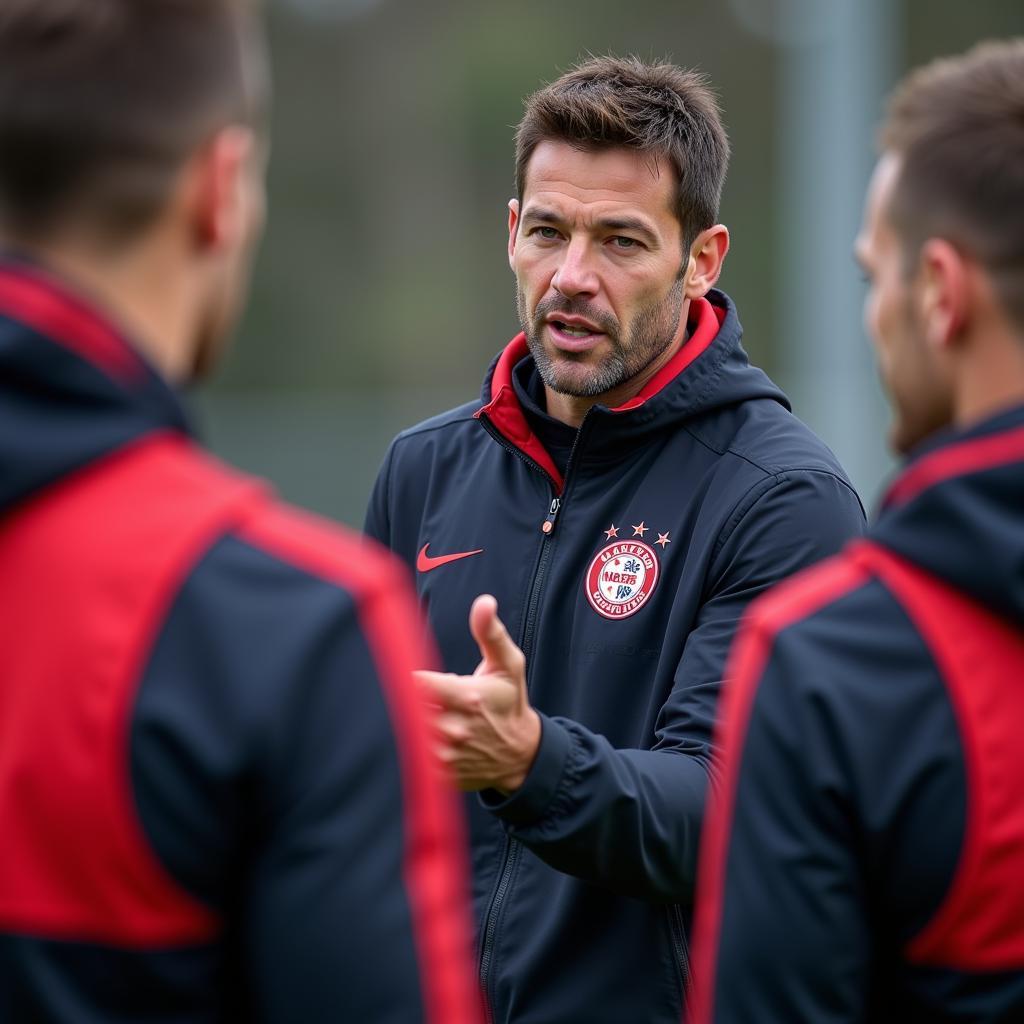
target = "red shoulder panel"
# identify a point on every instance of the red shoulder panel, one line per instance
(980, 926)
(786, 604)
(90, 569)
(435, 860)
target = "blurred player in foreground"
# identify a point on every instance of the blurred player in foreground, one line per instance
(866, 858)
(216, 796)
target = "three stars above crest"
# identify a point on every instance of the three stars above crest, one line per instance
(639, 529)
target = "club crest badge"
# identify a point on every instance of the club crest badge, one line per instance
(621, 578)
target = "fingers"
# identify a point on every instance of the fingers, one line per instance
(483, 618)
(449, 691)
(498, 650)
(452, 727)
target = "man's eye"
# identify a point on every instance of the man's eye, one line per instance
(624, 242)
(547, 233)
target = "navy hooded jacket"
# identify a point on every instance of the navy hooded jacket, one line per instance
(216, 796)
(622, 581)
(866, 860)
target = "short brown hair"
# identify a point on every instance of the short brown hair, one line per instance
(101, 102)
(957, 127)
(660, 109)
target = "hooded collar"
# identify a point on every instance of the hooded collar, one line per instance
(957, 511)
(72, 386)
(709, 370)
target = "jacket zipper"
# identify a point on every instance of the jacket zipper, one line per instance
(513, 849)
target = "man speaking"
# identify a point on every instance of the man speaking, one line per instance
(625, 485)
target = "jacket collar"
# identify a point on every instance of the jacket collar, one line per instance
(72, 386)
(957, 511)
(710, 369)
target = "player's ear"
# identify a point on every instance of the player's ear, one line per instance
(707, 254)
(214, 188)
(944, 292)
(513, 227)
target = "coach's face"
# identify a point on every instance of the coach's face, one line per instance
(602, 280)
(911, 369)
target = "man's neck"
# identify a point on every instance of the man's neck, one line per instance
(136, 289)
(990, 377)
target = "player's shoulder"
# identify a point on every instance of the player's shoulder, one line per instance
(280, 594)
(815, 591)
(244, 510)
(770, 436)
(243, 549)
(833, 627)
(303, 544)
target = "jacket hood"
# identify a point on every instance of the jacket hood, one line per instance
(710, 370)
(72, 388)
(957, 511)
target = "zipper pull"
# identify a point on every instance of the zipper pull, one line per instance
(548, 526)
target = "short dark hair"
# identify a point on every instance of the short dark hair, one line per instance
(659, 109)
(102, 101)
(957, 127)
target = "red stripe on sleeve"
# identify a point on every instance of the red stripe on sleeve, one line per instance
(436, 866)
(796, 599)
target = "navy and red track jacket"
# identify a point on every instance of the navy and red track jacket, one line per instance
(216, 797)
(622, 582)
(866, 859)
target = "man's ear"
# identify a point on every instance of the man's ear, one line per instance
(513, 227)
(707, 254)
(214, 188)
(944, 292)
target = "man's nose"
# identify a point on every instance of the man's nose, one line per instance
(576, 274)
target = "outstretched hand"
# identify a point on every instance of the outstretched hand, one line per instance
(487, 732)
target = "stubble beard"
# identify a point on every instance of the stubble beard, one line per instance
(920, 399)
(651, 332)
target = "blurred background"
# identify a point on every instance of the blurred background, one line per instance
(382, 290)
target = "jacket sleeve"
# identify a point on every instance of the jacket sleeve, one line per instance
(630, 819)
(282, 772)
(839, 817)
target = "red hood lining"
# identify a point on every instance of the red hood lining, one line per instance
(45, 307)
(507, 416)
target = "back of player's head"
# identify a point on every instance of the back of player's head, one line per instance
(957, 128)
(657, 109)
(102, 102)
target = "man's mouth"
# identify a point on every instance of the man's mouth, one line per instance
(573, 330)
(573, 335)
